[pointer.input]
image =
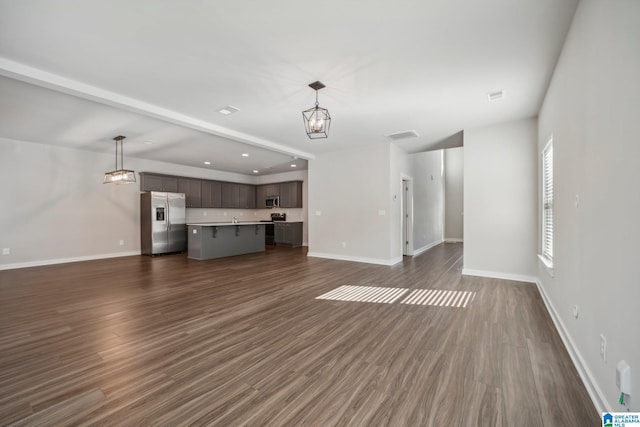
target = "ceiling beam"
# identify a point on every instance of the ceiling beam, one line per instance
(25, 73)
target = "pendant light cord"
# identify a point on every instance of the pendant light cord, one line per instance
(118, 139)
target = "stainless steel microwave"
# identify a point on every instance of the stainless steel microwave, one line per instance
(272, 201)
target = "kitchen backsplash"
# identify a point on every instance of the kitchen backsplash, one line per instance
(218, 215)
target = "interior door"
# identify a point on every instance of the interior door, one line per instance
(407, 220)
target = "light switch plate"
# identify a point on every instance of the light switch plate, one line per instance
(6, 251)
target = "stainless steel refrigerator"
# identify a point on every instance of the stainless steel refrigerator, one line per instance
(163, 218)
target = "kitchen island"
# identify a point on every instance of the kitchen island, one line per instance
(208, 240)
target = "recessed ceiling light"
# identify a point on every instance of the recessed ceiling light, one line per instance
(228, 109)
(245, 155)
(293, 166)
(494, 96)
(255, 171)
(207, 163)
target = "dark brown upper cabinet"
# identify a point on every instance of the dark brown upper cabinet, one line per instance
(192, 188)
(291, 194)
(155, 182)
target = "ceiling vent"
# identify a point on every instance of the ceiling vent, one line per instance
(402, 135)
(494, 96)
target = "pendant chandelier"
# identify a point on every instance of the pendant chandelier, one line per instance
(122, 175)
(316, 119)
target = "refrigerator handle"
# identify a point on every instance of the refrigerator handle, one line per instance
(168, 205)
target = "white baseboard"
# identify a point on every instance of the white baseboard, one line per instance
(65, 260)
(597, 396)
(425, 248)
(497, 275)
(355, 259)
(453, 240)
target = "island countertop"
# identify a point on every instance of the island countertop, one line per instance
(224, 224)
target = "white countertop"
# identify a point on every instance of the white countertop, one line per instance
(223, 224)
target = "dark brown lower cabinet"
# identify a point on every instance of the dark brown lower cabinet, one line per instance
(288, 233)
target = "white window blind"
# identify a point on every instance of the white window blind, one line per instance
(547, 201)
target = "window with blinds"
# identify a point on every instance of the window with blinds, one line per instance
(547, 202)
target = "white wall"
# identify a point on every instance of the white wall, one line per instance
(500, 200)
(359, 196)
(592, 109)
(428, 200)
(454, 194)
(350, 205)
(56, 207)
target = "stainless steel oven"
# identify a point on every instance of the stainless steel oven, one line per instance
(269, 228)
(269, 232)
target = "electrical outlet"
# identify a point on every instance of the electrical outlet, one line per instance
(603, 348)
(204, 213)
(575, 311)
(6, 251)
(344, 244)
(121, 242)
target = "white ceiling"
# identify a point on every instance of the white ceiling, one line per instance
(158, 71)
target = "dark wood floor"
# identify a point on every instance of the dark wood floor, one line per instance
(242, 341)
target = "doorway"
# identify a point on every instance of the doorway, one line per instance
(406, 234)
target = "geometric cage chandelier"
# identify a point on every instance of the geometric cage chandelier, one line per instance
(316, 119)
(122, 175)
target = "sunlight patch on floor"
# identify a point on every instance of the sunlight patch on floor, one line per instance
(440, 298)
(364, 294)
(377, 294)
